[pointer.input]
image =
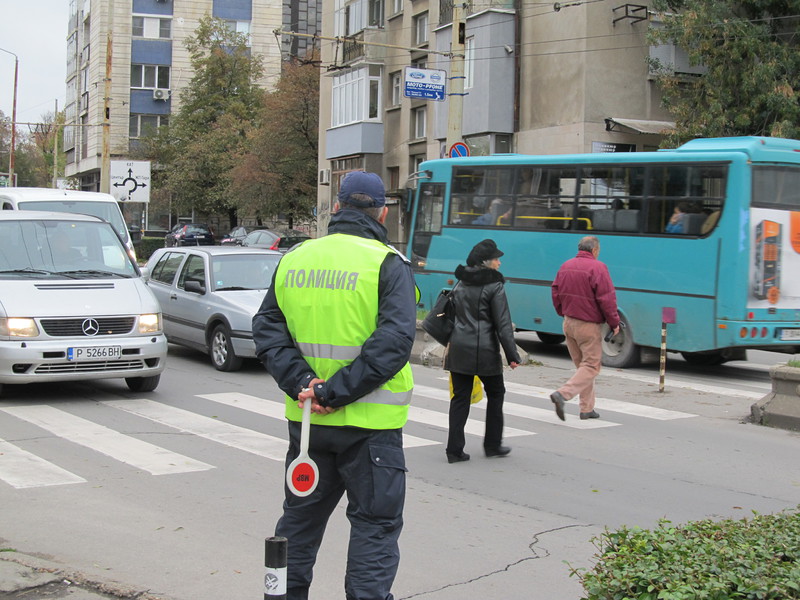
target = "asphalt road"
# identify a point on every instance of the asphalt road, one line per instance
(175, 491)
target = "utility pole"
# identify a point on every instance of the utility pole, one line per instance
(11, 181)
(105, 167)
(55, 147)
(456, 94)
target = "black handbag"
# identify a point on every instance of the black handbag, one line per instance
(441, 319)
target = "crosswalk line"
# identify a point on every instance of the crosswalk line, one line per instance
(215, 430)
(629, 408)
(275, 410)
(521, 410)
(472, 427)
(21, 469)
(124, 448)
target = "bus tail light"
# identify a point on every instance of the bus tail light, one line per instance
(743, 332)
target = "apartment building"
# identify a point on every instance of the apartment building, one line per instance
(539, 78)
(134, 50)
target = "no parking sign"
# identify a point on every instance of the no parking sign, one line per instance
(458, 150)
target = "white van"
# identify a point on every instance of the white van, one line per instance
(73, 305)
(100, 205)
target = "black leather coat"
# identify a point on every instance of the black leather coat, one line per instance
(483, 324)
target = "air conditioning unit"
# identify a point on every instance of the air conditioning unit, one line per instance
(160, 94)
(324, 176)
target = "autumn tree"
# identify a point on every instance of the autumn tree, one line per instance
(750, 51)
(278, 172)
(196, 152)
(32, 161)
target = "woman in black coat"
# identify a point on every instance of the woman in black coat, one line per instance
(482, 325)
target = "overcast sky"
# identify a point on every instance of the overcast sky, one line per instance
(36, 31)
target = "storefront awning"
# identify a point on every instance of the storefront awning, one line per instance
(640, 125)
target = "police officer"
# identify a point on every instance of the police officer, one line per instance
(336, 329)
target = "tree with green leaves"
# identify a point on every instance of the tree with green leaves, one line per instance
(197, 151)
(752, 79)
(278, 173)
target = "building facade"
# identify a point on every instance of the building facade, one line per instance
(127, 60)
(538, 78)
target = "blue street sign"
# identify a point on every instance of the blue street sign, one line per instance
(458, 150)
(428, 84)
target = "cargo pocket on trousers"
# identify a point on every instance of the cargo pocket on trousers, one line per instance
(388, 481)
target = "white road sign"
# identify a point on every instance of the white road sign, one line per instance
(130, 180)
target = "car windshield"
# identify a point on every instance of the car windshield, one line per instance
(105, 210)
(62, 249)
(243, 271)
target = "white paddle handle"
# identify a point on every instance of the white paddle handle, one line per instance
(305, 428)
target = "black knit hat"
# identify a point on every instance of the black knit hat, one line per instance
(485, 250)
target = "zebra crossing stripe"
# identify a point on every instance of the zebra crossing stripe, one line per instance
(472, 427)
(21, 469)
(275, 410)
(522, 410)
(124, 448)
(234, 436)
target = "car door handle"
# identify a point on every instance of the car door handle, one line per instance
(173, 296)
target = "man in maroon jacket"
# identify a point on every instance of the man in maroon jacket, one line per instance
(584, 295)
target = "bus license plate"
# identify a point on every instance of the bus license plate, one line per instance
(94, 353)
(790, 334)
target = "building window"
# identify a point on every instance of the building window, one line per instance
(420, 63)
(152, 27)
(349, 16)
(375, 9)
(469, 63)
(421, 29)
(240, 27)
(418, 119)
(397, 6)
(150, 76)
(396, 84)
(356, 96)
(416, 161)
(144, 125)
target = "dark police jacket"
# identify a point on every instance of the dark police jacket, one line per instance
(382, 355)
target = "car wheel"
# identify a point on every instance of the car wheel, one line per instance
(621, 352)
(143, 384)
(222, 355)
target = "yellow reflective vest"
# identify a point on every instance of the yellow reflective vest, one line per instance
(330, 313)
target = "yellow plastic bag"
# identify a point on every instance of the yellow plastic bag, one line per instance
(477, 390)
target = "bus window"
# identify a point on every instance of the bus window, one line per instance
(776, 187)
(428, 219)
(696, 190)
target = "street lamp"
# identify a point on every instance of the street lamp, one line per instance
(13, 119)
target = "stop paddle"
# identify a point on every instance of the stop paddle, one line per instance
(302, 475)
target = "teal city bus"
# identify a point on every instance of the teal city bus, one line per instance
(729, 274)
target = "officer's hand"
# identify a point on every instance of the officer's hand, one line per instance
(513, 364)
(308, 394)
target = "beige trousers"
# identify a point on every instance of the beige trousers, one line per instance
(584, 345)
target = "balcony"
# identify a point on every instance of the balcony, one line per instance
(355, 50)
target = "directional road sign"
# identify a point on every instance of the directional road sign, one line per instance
(130, 180)
(427, 84)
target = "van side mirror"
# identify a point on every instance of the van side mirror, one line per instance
(194, 286)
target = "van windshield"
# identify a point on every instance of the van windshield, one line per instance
(108, 211)
(62, 249)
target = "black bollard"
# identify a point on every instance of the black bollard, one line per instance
(275, 563)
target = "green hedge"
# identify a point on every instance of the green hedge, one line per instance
(146, 246)
(756, 559)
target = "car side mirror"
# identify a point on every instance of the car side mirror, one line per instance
(194, 286)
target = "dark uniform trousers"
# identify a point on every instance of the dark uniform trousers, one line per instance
(370, 466)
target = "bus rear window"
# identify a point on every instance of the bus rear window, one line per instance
(776, 187)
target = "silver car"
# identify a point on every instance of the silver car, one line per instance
(208, 296)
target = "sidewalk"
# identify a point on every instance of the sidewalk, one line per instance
(32, 578)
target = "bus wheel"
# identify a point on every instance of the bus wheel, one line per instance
(620, 352)
(550, 338)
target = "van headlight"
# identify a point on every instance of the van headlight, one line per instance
(18, 327)
(150, 323)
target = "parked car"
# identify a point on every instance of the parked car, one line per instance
(208, 296)
(235, 237)
(189, 234)
(74, 306)
(282, 241)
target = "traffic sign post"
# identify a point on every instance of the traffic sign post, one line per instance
(458, 150)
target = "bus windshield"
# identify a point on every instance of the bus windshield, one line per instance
(707, 230)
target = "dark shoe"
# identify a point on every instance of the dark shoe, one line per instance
(590, 415)
(454, 458)
(558, 400)
(499, 451)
